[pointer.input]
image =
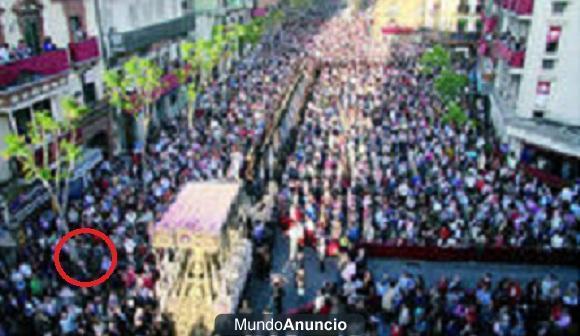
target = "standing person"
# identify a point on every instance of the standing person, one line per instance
(4, 53)
(22, 50)
(48, 45)
(296, 233)
(321, 249)
(278, 295)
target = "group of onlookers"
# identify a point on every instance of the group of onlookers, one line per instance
(407, 304)
(124, 196)
(22, 50)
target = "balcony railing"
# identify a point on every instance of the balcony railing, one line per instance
(515, 58)
(489, 24)
(141, 38)
(259, 12)
(519, 7)
(34, 68)
(84, 51)
(48, 64)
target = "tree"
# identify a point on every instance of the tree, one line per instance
(192, 63)
(201, 57)
(435, 59)
(56, 140)
(134, 89)
(455, 115)
(300, 4)
(450, 85)
(254, 31)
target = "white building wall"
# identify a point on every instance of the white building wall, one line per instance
(128, 15)
(55, 22)
(563, 104)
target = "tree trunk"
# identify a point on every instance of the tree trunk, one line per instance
(146, 122)
(190, 114)
(55, 204)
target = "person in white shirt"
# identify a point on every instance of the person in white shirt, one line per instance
(4, 53)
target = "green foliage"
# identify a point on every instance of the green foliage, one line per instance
(72, 110)
(455, 115)
(52, 138)
(450, 85)
(135, 85)
(436, 58)
(461, 24)
(192, 92)
(254, 31)
(299, 4)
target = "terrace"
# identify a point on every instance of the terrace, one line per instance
(41, 73)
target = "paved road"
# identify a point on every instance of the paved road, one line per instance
(259, 292)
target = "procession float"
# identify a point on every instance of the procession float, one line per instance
(203, 255)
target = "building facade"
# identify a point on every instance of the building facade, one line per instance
(51, 51)
(529, 67)
(440, 15)
(62, 48)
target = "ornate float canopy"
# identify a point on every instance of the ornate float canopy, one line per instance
(203, 256)
(199, 212)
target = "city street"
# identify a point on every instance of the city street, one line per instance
(414, 163)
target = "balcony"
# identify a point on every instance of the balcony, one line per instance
(141, 38)
(489, 24)
(33, 68)
(84, 51)
(519, 7)
(259, 12)
(37, 75)
(514, 58)
(517, 59)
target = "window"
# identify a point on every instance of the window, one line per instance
(22, 118)
(542, 94)
(90, 93)
(553, 39)
(548, 64)
(76, 28)
(538, 114)
(461, 25)
(558, 7)
(479, 26)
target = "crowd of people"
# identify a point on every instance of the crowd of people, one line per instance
(22, 50)
(124, 196)
(406, 304)
(375, 161)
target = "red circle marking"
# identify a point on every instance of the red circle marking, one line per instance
(85, 284)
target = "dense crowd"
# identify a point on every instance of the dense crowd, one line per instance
(124, 196)
(405, 304)
(375, 161)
